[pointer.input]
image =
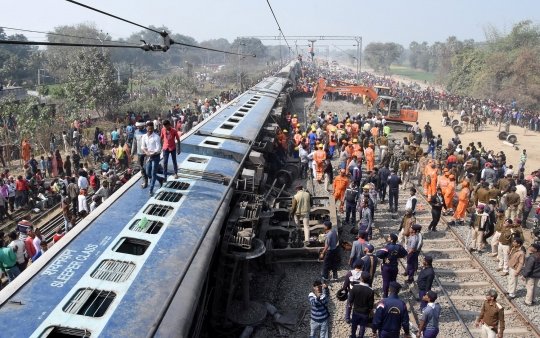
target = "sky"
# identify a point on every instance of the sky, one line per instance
(374, 21)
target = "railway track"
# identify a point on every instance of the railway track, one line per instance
(461, 277)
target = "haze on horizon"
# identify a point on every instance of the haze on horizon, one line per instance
(399, 21)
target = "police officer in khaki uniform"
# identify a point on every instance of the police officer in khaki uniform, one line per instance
(491, 317)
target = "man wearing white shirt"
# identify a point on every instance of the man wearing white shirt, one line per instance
(83, 183)
(151, 145)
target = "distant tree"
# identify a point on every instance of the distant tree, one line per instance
(93, 82)
(381, 55)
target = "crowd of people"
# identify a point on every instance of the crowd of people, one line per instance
(456, 179)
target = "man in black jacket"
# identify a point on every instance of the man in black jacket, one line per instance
(531, 273)
(425, 280)
(437, 204)
(361, 298)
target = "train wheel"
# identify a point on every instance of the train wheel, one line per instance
(512, 139)
(457, 129)
(284, 177)
(293, 168)
(503, 135)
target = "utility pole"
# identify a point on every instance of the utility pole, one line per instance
(280, 59)
(131, 80)
(312, 49)
(358, 48)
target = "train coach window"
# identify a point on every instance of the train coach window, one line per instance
(168, 196)
(90, 302)
(178, 185)
(64, 332)
(147, 226)
(237, 114)
(113, 270)
(247, 106)
(227, 126)
(158, 210)
(212, 143)
(131, 246)
(195, 159)
(233, 120)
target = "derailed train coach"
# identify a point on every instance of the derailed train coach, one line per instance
(140, 266)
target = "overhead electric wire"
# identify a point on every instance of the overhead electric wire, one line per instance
(164, 34)
(211, 49)
(66, 35)
(279, 27)
(113, 16)
(65, 44)
(354, 57)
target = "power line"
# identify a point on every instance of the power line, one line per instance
(113, 16)
(212, 50)
(279, 27)
(66, 35)
(65, 44)
(167, 40)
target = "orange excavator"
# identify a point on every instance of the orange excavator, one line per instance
(382, 104)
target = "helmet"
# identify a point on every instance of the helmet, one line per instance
(334, 129)
(284, 130)
(343, 131)
(296, 148)
(303, 134)
(294, 115)
(355, 140)
(298, 124)
(320, 145)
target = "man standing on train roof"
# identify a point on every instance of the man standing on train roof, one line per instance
(390, 254)
(168, 137)
(136, 148)
(391, 315)
(151, 145)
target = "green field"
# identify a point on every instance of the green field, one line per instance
(412, 74)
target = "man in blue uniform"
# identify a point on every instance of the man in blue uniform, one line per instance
(329, 253)
(414, 245)
(390, 254)
(391, 315)
(394, 181)
(370, 263)
(429, 323)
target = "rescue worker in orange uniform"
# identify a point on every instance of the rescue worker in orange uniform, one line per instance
(444, 180)
(319, 156)
(348, 128)
(461, 209)
(340, 185)
(354, 129)
(332, 141)
(370, 157)
(432, 185)
(294, 121)
(449, 195)
(282, 138)
(297, 139)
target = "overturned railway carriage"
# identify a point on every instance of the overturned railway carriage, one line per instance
(140, 266)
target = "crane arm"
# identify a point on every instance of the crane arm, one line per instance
(321, 88)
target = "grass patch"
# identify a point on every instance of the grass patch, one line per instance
(412, 74)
